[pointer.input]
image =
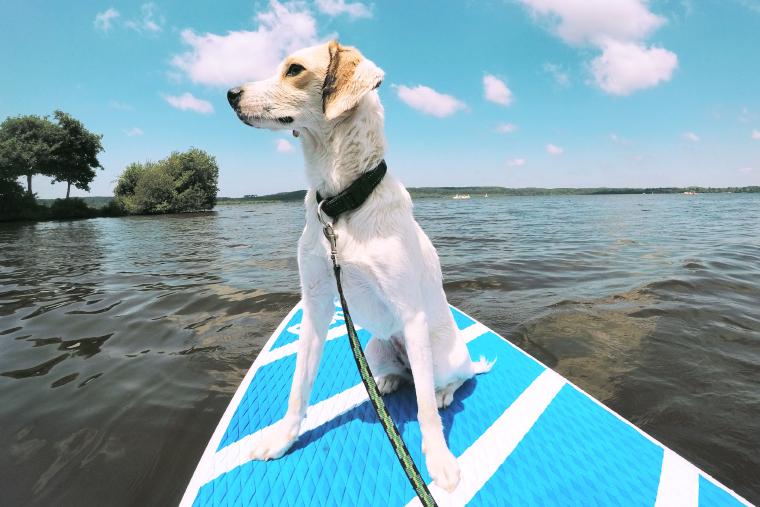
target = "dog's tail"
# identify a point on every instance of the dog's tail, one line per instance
(482, 365)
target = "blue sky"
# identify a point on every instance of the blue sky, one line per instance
(516, 93)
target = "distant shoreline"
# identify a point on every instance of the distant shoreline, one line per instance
(432, 192)
(474, 192)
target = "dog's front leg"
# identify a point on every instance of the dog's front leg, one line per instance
(441, 463)
(317, 311)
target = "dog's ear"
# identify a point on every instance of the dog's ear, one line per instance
(349, 76)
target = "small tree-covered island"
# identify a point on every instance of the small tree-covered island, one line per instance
(63, 149)
(181, 182)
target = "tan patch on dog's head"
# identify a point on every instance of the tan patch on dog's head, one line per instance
(349, 76)
(343, 62)
(303, 79)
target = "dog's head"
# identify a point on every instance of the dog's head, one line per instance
(311, 87)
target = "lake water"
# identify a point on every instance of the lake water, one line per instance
(123, 339)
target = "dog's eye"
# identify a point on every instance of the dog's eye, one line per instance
(294, 70)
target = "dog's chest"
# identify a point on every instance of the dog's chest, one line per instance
(367, 296)
(370, 307)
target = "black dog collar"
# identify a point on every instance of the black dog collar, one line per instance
(353, 196)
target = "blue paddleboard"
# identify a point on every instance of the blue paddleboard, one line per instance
(523, 436)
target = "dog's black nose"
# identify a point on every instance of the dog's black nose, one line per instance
(233, 96)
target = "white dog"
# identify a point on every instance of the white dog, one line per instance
(391, 273)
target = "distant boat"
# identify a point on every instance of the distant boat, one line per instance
(689, 193)
(485, 195)
(461, 196)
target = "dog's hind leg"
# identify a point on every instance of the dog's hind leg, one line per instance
(445, 395)
(387, 368)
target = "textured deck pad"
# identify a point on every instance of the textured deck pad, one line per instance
(522, 434)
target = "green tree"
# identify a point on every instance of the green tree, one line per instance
(154, 192)
(76, 153)
(129, 178)
(27, 147)
(195, 176)
(184, 181)
(12, 198)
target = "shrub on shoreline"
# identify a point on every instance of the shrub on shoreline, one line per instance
(182, 182)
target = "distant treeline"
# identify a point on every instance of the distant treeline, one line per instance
(103, 203)
(423, 192)
(478, 191)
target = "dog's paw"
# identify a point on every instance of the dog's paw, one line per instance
(388, 383)
(444, 397)
(443, 468)
(275, 440)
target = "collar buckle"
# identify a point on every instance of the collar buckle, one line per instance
(323, 217)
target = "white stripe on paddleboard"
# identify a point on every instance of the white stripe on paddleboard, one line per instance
(618, 416)
(237, 453)
(473, 331)
(468, 334)
(292, 347)
(480, 461)
(679, 482)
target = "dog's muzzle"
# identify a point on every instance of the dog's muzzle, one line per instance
(233, 96)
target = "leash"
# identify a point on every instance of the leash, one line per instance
(351, 198)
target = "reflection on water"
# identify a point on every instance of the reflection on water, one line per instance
(122, 340)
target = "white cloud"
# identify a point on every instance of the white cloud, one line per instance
(619, 29)
(516, 162)
(756, 135)
(284, 146)
(241, 56)
(133, 132)
(625, 67)
(690, 136)
(555, 71)
(506, 128)
(188, 102)
(746, 170)
(495, 90)
(103, 19)
(150, 21)
(429, 101)
(354, 10)
(553, 149)
(594, 21)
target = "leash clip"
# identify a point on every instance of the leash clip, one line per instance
(329, 232)
(332, 238)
